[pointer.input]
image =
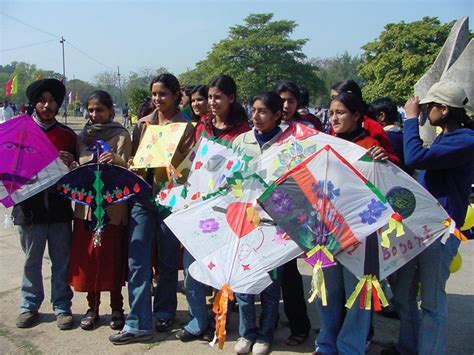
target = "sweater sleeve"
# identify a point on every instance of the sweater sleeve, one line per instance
(443, 154)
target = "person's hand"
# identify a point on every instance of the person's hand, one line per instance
(106, 158)
(73, 165)
(378, 153)
(412, 107)
(66, 157)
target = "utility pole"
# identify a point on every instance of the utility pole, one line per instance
(64, 80)
(120, 87)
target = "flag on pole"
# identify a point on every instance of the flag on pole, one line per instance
(12, 86)
(70, 97)
(39, 77)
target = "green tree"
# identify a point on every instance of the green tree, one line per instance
(395, 61)
(257, 55)
(137, 97)
(335, 69)
(141, 80)
(27, 73)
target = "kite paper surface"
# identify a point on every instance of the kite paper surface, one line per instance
(29, 161)
(424, 220)
(297, 143)
(158, 145)
(326, 202)
(210, 164)
(233, 241)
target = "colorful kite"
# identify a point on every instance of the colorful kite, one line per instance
(234, 243)
(325, 205)
(209, 165)
(297, 143)
(101, 185)
(419, 219)
(29, 163)
(158, 146)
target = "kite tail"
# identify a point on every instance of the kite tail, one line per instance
(318, 284)
(220, 309)
(7, 221)
(449, 223)
(371, 291)
(394, 224)
(97, 236)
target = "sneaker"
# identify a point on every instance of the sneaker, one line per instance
(243, 346)
(163, 325)
(261, 347)
(27, 319)
(64, 321)
(127, 338)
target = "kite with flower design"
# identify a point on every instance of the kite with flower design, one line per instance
(150, 154)
(326, 206)
(417, 222)
(29, 162)
(234, 243)
(210, 163)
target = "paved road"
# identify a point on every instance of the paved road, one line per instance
(46, 338)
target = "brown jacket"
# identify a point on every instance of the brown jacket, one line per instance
(122, 148)
(184, 146)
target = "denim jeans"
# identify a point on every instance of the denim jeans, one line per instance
(33, 240)
(196, 297)
(431, 269)
(144, 220)
(270, 299)
(343, 330)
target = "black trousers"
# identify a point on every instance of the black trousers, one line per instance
(293, 299)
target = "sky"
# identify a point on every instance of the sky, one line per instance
(103, 35)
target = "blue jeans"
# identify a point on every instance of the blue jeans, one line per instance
(270, 299)
(431, 269)
(343, 330)
(144, 221)
(196, 297)
(33, 240)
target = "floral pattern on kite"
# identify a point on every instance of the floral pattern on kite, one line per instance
(209, 225)
(289, 158)
(373, 212)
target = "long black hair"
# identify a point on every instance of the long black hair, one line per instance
(387, 106)
(353, 103)
(352, 87)
(171, 82)
(227, 85)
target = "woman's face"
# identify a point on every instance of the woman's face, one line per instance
(342, 120)
(219, 102)
(98, 112)
(199, 104)
(264, 120)
(436, 113)
(163, 98)
(333, 93)
(290, 104)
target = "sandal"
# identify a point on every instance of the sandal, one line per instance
(117, 321)
(295, 340)
(90, 320)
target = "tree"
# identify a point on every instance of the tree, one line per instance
(335, 69)
(27, 73)
(136, 98)
(141, 80)
(80, 89)
(395, 61)
(257, 55)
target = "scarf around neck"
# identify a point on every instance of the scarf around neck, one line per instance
(100, 131)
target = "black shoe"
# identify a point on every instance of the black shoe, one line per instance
(186, 336)
(163, 325)
(117, 321)
(127, 338)
(27, 319)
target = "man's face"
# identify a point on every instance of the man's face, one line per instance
(46, 107)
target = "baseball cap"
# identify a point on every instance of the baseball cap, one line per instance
(446, 92)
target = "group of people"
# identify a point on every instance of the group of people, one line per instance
(135, 227)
